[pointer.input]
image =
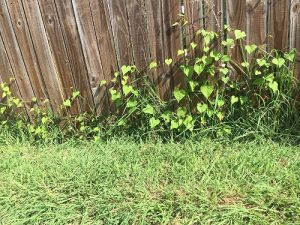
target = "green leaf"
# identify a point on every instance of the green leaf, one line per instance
(290, 56)
(174, 124)
(67, 103)
(259, 82)
(149, 110)
(228, 43)
(224, 71)
(187, 70)
(245, 64)
(220, 102)
(234, 100)
(75, 94)
(225, 79)
(193, 45)
(261, 62)
(243, 99)
(274, 86)
(257, 72)
(131, 103)
(168, 61)
(126, 69)
(207, 90)
(220, 116)
(115, 95)
(180, 52)
(166, 116)
(250, 48)
(179, 94)
(181, 112)
(102, 83)
(189, 123)
(202, 107)
(193, 84)
(199, 68)
(127, 89)
(239, 34)
(154, 122)
(153, 65)
(278, 62)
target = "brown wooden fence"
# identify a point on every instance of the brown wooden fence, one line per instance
(52, 47)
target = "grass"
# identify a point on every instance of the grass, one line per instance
(121, 182)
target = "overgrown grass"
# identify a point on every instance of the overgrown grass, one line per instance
(122, 182)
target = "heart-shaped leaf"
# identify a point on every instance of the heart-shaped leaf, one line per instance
(290, 56)
(149, 110)
(193, 84)
(67, 103)
(131, 103)
(207, 90)
(250, 48)
(179, 94)
(180, 52)
(168, 61)
(174, 124)
(257, 72)
(278, 62)
(202, 107)
(127, 89)
(187, 70)
(152, 65)
(274, 86)
(234, 100)
(261, 62)
(126, 69)
(239, 34)
(154, 122)
(198, 68)
(193, 45)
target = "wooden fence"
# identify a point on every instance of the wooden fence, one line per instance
(52, 47)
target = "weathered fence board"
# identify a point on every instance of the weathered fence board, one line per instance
(54, 47)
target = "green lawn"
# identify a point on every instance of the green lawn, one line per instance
(121, 182)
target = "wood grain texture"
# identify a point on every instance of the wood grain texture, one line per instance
(236, 19)
(173, 39)
(256, 11)
(23, 37)
(75, 53)
(44, 55)
(91, 53)
(214, 15)
(58, 49)
(137, 18)
(278, 24)
(295, 33)
(121, 33)
(157, 46)
(14, 54)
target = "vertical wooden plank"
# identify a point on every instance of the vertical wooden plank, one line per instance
(256, 11)
(195, 17)
(75, 54)
(27, 50)
(89, 44)
(173, 40)
(156, 28)
(43, 52)
(236, 19)
(56, 43)
(295, 33)
(14, 55)
(278, 24)
(138, 32)
(214, 15)
(121, 33)
(6, 72)
(104, 38)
